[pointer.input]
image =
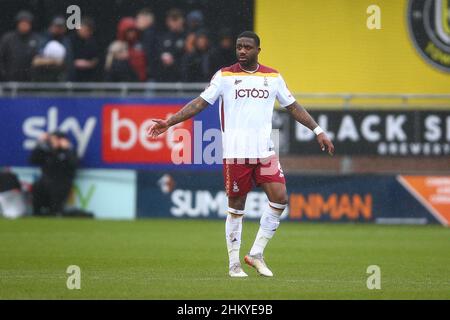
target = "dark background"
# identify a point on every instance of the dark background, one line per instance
(236, 15)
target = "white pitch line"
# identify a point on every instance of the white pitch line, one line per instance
(123, 278)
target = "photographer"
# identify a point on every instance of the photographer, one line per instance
(58, 162)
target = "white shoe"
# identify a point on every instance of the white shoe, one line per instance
(236, 271)
(257, 262)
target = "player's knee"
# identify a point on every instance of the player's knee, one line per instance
(237, 203)
(280, 198)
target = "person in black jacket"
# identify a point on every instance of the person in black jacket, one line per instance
(224, 54)
(85, 53)
(58, 162)
(117, 65)
(55, 53)
(171, 47)
(195, 66)
(17, 50)
(145, 23)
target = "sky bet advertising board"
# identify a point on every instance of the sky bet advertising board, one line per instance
(111, 133)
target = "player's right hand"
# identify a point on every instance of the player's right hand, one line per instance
(158, 127)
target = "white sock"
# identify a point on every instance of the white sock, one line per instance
(233, 231)
(270, 220)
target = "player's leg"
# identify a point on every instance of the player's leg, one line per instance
(274, 185)
(270, 219)
(269, 222)
(237, 178)
(233, 234)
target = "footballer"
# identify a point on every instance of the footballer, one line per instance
(247, 91)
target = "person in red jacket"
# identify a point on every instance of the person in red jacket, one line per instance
(128, 32)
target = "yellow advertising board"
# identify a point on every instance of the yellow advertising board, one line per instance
(328, 46)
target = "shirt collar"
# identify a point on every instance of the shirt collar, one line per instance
(257, 68)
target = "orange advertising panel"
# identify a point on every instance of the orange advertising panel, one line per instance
(433, 192)
(337, 206)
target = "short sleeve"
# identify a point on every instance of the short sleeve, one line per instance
(284, 96)
(214, 89)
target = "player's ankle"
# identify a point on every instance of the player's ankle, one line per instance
(256, 251)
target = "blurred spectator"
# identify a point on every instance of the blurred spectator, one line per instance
(17, 49)
(58, 162)
(117, 66)
(195, 66)
(172, 47)
(128, 32)
(12, 200)
(194, 21)
(189, 43)
(49, 65)
(57, 30)
(52, 62)
(224, 54)
(85, 53)
(145, 22)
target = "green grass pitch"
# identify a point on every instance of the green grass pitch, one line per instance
(187, 259)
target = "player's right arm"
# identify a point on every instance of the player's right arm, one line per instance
(208, 96)
(188, 111)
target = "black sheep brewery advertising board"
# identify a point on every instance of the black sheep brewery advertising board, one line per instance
(384, 133)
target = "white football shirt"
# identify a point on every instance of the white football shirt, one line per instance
(246, 106)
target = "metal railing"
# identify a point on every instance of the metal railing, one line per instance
(180, 89)
(375, 100)
(99, 89)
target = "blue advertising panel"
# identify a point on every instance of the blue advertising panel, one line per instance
(107, 132)
(367, 198)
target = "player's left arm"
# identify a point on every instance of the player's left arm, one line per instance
(301, 115)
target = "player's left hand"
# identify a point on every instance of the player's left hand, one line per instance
(325, 143)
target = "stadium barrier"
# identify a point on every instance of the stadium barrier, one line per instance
(383, 199)
(345, 100)
(110, 132)
(107, 132)
(354, 198)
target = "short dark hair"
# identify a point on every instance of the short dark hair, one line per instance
(175, 13)
(60, 134)
(146, 12)
(88, 22)
(250, 34)
(24, 15)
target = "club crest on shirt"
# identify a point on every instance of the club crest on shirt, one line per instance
(235, 187)
(266, 83)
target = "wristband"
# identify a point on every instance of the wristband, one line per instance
(318, 130)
